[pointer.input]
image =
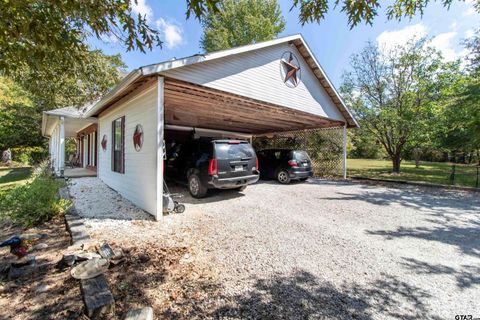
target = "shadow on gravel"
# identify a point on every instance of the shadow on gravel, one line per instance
(303, 296)
(466, 277)
(465, 238)
(438, 201)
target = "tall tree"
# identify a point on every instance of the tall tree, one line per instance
(393, 92)
(241, 22)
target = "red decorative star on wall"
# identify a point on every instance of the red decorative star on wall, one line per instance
(290, 70)
(138, 137)
(104, 142)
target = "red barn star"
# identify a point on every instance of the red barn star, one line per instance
(104, 143)
(290, 70)
(137, 138)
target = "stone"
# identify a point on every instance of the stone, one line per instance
(97, 297)
(106, 251)
(41, 288)
(77, 229)
(145, 313)
(40, 246)
(16, 272)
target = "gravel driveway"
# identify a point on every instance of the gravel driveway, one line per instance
(324, 249)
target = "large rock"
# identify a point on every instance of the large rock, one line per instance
(98, 299)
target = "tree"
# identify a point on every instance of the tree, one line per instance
(38, 33)
(64, 84)
(461, 102)
(19, 119)
(23, 100)
(356, 11)
(241, 22)
(392, 91)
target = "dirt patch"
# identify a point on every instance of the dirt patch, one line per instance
(165, 278)
(47, 293)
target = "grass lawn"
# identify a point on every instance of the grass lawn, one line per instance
(432, 172)
(11, 177)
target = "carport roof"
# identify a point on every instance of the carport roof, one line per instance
(133, 79)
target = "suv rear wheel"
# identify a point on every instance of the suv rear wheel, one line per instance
(197, 190)
(283, 177)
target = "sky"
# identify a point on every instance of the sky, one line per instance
(332, 41)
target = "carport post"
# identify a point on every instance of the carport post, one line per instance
(345, 151)
(160, 137)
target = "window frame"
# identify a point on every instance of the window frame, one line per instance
(114, 143)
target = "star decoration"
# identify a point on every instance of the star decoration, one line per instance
(104, 143)
(137, 138)
(290, 70)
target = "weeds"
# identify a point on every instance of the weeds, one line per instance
(35, 202)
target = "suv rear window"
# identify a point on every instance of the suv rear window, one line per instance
(225, 150)
(300, 155)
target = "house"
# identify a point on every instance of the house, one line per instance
(266, 87)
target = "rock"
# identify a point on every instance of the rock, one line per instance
(16, 271)
(106, 251)
(97, 297)
(40, 246)
(145, 313)
(90, 269)
(41, 288)
(83, 255)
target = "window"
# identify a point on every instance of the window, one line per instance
(118, 145)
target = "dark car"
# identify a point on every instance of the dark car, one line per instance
(284, 165)
(213, 164)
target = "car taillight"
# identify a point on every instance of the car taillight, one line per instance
(293, 163)
(212, 167)
(256, 163)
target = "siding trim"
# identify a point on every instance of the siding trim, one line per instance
(160, 137)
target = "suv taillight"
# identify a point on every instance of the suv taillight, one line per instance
(293, 163)
(212, 167)
(256, 163)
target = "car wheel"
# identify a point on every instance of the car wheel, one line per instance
(283, 177)
(197, 190)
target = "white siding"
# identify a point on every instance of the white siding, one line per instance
(256, 74)
(138, 183)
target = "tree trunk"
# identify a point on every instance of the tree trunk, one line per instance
(396, 160)
(417, 154)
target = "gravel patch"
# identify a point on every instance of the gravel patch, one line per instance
(101, 206)
(326, 249)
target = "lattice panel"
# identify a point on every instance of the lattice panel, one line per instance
(324, 146)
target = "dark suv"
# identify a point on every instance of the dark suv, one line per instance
(213, 164)
(284, 165)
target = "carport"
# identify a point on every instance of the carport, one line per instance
(260, 89)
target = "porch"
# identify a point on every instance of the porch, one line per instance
(68, 123)
(79, 172)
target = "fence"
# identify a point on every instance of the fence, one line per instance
(324, 146)
(465, 175)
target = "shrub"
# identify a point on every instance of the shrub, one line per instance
(29, 155)
(35, 202)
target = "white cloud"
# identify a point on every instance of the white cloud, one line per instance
(389, 39)
(444, 42)
(141, 7)
(172, 33)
